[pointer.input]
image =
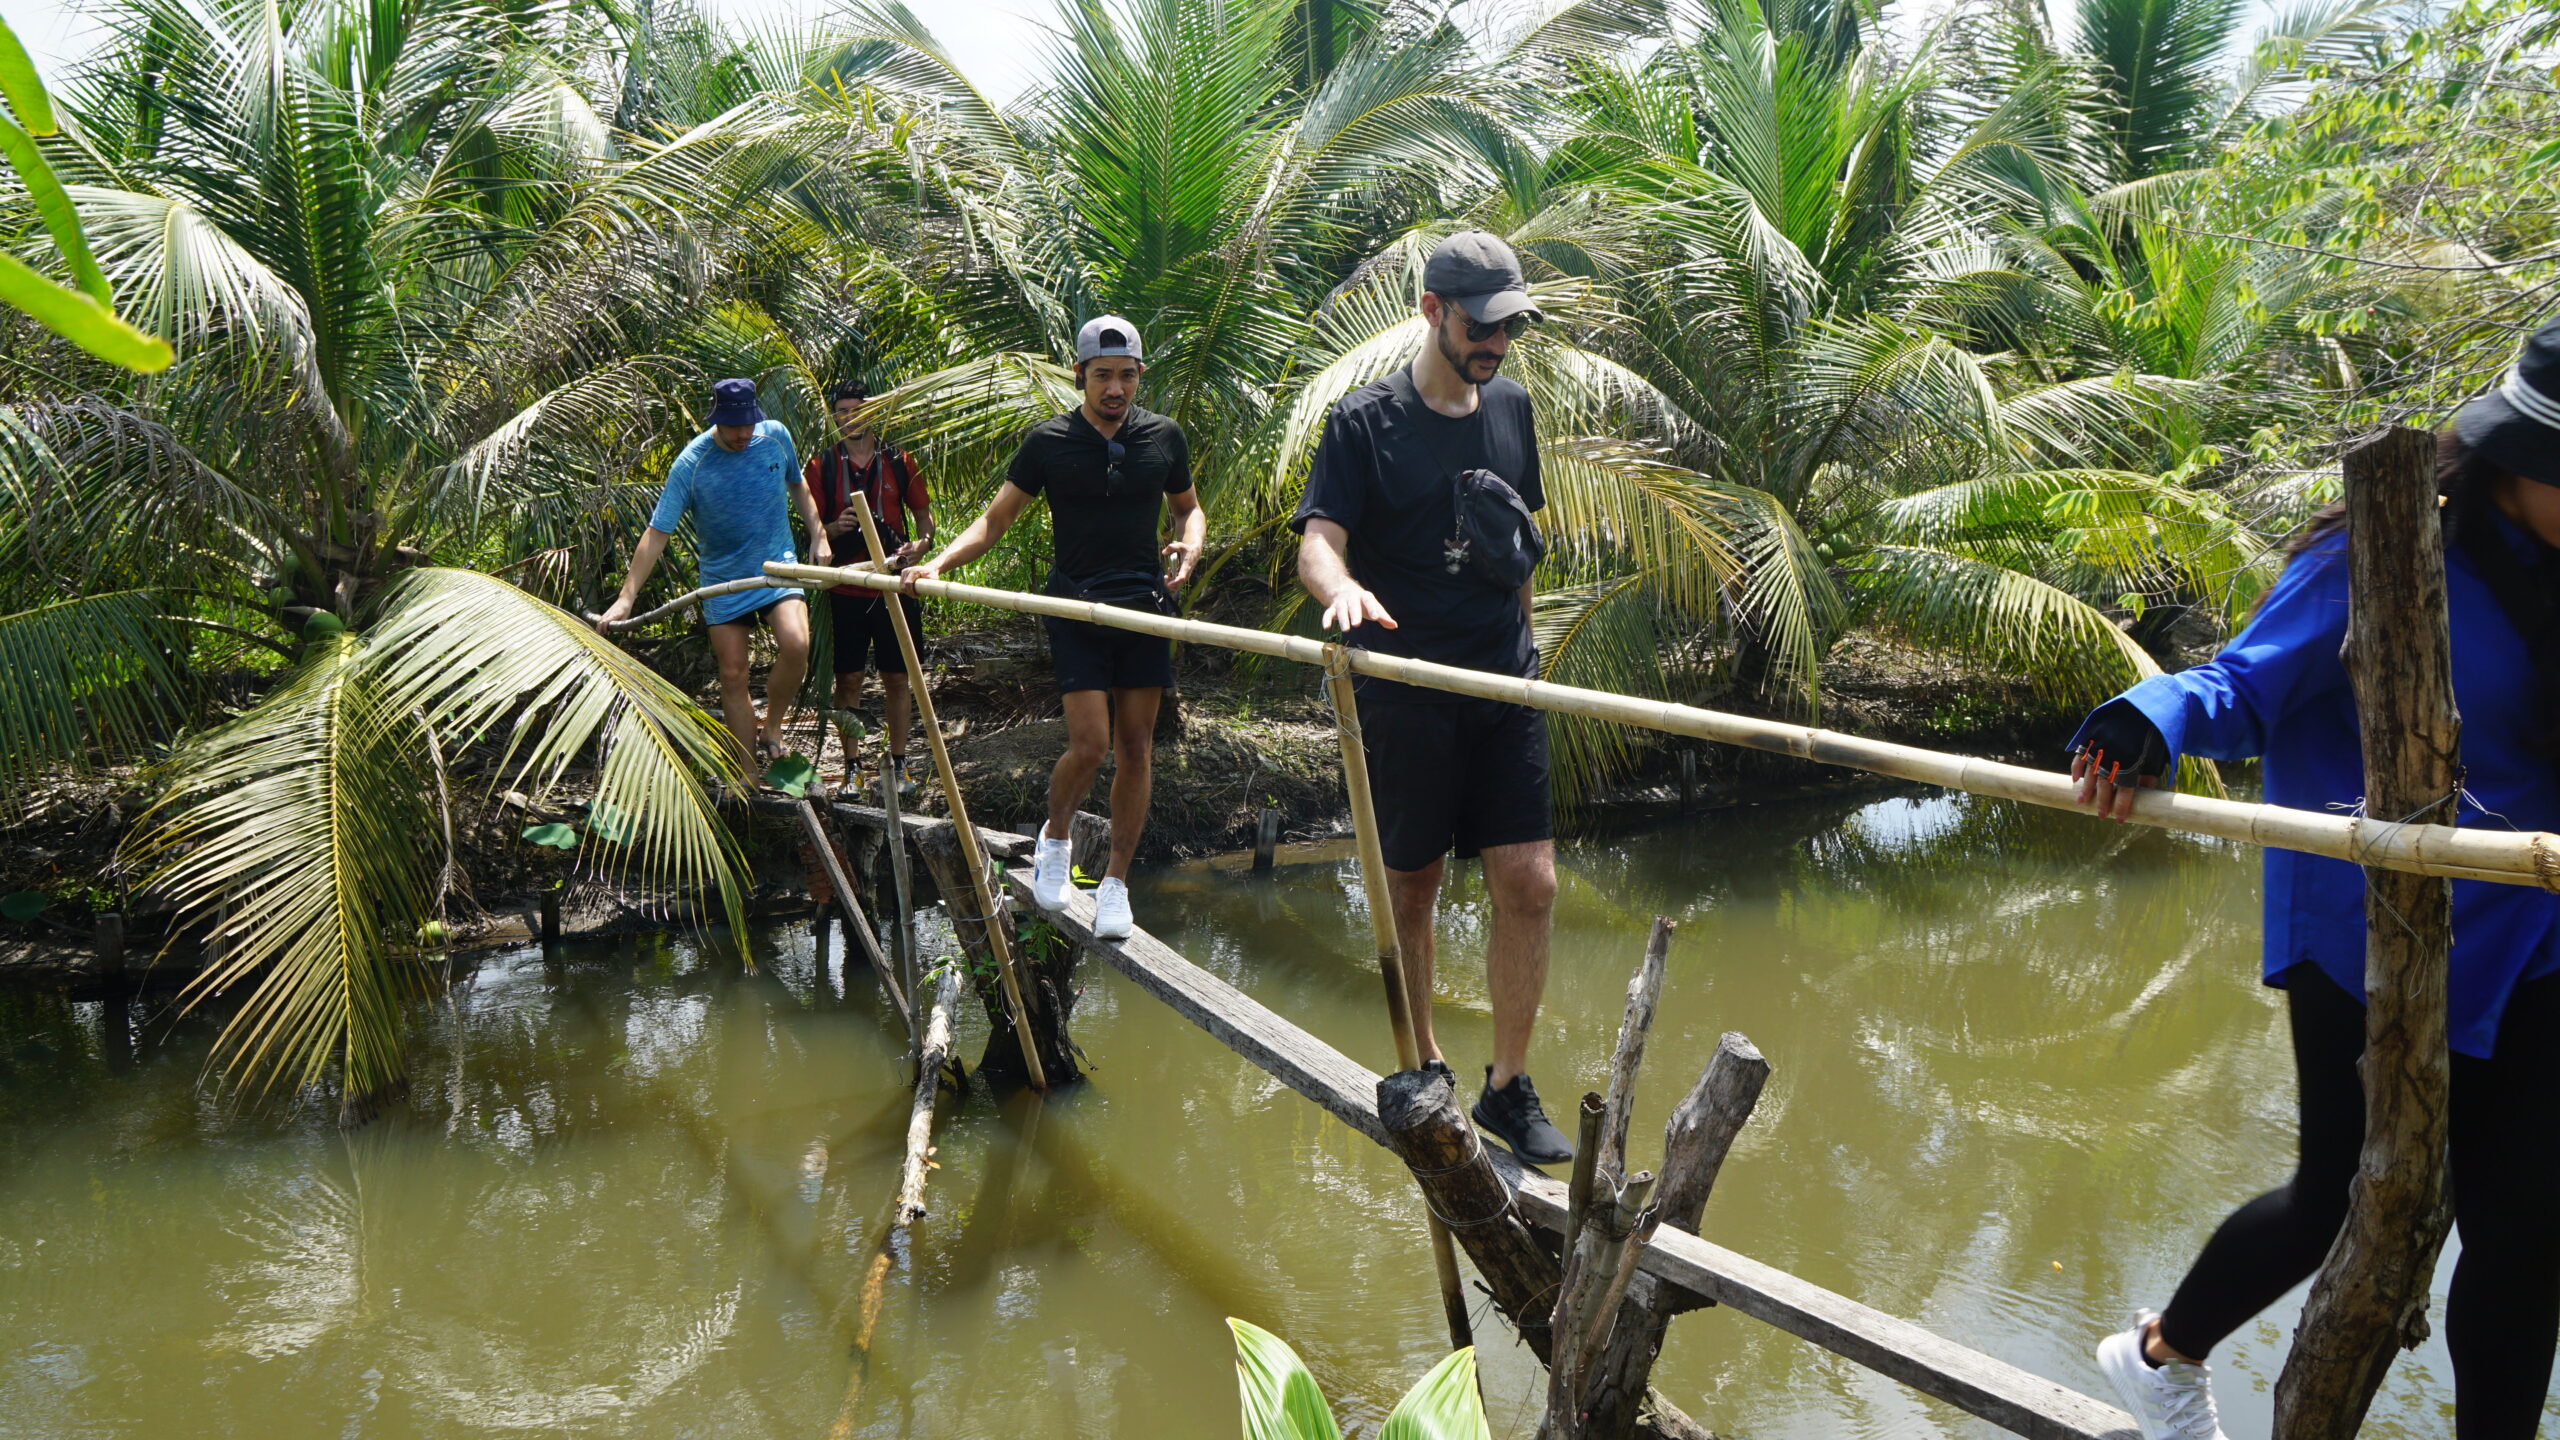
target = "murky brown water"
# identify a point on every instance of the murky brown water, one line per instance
(2022, 1065)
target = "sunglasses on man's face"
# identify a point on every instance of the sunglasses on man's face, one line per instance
(1479, 331)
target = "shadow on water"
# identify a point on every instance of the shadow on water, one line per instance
(640, 1189)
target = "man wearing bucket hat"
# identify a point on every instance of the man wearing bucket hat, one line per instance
(1110, 469)
(739, 481)
(2278, 692)
(1417, 539)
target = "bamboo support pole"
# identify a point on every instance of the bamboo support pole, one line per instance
(691, 598)
(1382, 927)
(972, 853)
(854, 919)
(2502, 857)
(901, 890)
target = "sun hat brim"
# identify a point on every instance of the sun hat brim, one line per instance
(737, 414)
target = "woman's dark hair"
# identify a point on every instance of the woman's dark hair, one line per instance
(844, 390)
(2529, 593)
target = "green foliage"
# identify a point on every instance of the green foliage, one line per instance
(553, 834)
(20, 906)
(1281, 1400)
(83, 312)
(793, 775)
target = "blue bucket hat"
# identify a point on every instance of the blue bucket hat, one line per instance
(733, 402)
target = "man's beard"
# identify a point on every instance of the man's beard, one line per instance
(1460, 360)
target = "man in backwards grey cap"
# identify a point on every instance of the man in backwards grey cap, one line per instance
(1417, 540)
(1110, 469)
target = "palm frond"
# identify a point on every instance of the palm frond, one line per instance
(91, 673)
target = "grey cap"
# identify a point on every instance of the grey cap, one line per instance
(1108, 335)
(1481, 274)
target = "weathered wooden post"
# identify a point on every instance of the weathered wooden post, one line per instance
(977, 883)
(1688, 780)
(1616, 1394)
(550, 905)
(1382, 927)
(109, 940)
(1088, 843)
(1266, 839)
(2370, 1297)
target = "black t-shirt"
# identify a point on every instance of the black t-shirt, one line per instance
(1385, 471)
(1100, 523)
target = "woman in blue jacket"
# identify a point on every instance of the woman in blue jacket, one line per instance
(2278, 692)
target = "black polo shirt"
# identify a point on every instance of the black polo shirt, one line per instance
(1099, 523)
(1385, 471)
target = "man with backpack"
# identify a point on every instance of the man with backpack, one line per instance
(1110, 469)
(859, 469)
(1416, 539)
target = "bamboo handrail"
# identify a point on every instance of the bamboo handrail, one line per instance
(2504, 857)
(972, 854)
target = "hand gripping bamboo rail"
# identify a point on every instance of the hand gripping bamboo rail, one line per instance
(691, 598)
(2505, 857)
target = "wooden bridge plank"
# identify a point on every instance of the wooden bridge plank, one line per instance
(2011, 1398)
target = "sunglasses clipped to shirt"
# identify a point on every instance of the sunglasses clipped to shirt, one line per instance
(1115, 452)
(1479, 331)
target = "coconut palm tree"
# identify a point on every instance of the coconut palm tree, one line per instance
(430, 307)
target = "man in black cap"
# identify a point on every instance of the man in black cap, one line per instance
(1389, 552)
(1110, 469)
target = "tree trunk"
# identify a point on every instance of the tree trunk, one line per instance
(2371, 1294)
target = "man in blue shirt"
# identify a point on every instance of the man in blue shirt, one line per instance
(739, 481)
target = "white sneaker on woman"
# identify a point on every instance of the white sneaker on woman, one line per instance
(1111, 919)
(1049, 871)
(2170, 1401)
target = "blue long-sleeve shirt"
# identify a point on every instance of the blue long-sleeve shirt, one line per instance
(2279, 692)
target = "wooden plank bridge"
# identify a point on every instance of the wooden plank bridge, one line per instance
(1982, 1385)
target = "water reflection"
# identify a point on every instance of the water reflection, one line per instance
(2021, 1065)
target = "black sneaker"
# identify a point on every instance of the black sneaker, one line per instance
(1441, 1069)
(1515, 1117)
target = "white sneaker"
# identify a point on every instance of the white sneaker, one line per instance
(1049, 871)
(1111, 920)
(2171, 1401)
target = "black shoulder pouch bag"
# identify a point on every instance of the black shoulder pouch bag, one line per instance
(1495, 538)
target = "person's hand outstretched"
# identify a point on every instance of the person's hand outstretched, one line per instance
(1354, 606)
(619, 610)
(929, 570)
(1180, 556)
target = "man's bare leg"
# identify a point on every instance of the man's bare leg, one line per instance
(790, 667)
(848, 696)
(1414, 895)
(1088, 736)
(737, 697)
(1522, 881)
(895, 695)
(1133, 749)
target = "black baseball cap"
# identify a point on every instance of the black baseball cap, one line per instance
(1480, 274)
(2516, 425)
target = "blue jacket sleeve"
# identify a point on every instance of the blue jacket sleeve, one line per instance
(2226, 708)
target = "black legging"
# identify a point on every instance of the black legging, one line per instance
(2504, 1313)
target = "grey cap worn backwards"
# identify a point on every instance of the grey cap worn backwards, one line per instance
(1108, 335)
(1481, 274)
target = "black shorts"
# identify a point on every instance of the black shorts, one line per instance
(1093, 657)
(1463, 777)
(864, 637)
